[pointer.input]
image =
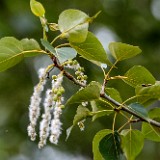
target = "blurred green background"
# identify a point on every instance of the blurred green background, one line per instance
(135, 22)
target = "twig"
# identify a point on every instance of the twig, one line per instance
(118, 105)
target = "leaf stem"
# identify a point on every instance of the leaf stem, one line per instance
(114, 121)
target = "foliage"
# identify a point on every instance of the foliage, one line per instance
(92, 100)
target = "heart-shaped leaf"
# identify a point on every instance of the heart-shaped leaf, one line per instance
(122, 51)
(91, 49)
(31, 46)
(65, 53)
(74, 25)
(151, 132)
(132, 143)
(148, 94)
(139, 75)
(12, 51)
(95, 144)
(138, 109)
(110, 147)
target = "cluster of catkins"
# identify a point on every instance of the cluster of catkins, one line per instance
(50, 125)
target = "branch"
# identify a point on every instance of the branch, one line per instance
(105, 96)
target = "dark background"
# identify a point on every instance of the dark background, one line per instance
(135, 22)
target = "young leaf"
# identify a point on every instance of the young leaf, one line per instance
(65, 53)
(150, 132)
(148, 94)
(95, 144)
(89, 93)
(132, 143)
(74, 25)
(37, 8)
(138, 75)
(110, 147)
(30, 45)
(82, 112)
(12, 51)
(91, 49)
(113, 93)
(138, 109)
(122, 51)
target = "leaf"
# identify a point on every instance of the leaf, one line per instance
(113, 93)
(138, 75)
(122, 51)
(148, 94)
(65, 53)
(37, 8)
(89, 93)
(110, 147)
(48, 47)
(99, 108)
(74, 25)
(91, 49)
(82, 112)
(30, 45)
(151, 132)
(95, 144)
(12, 51)
(138, 109)
(132, 143)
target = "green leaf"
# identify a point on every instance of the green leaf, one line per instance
(65, 53)
(110, 147)
(99, 107)
(148, 94)
(74, 25)
(82, 113)
(91, 49)
(12, 51)
(151, 132)
(95, 144)
(30, 45)
(89, 93)
(138, 109)
(113, 93)
(122, 51)
(132, 143)
(138, 75)
(48, 47)
(37, 8)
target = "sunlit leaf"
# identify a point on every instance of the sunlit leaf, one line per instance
(89, 93)
(74, 25)
(151, 132)
(148, 94)
(30, 45)
(91, 49)
(132, 143)
(138, 75)
(65, 53)
(95, 144)
(12, 51)
(122, 51)
(37, 8)
(110, 147)
(138, 109)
